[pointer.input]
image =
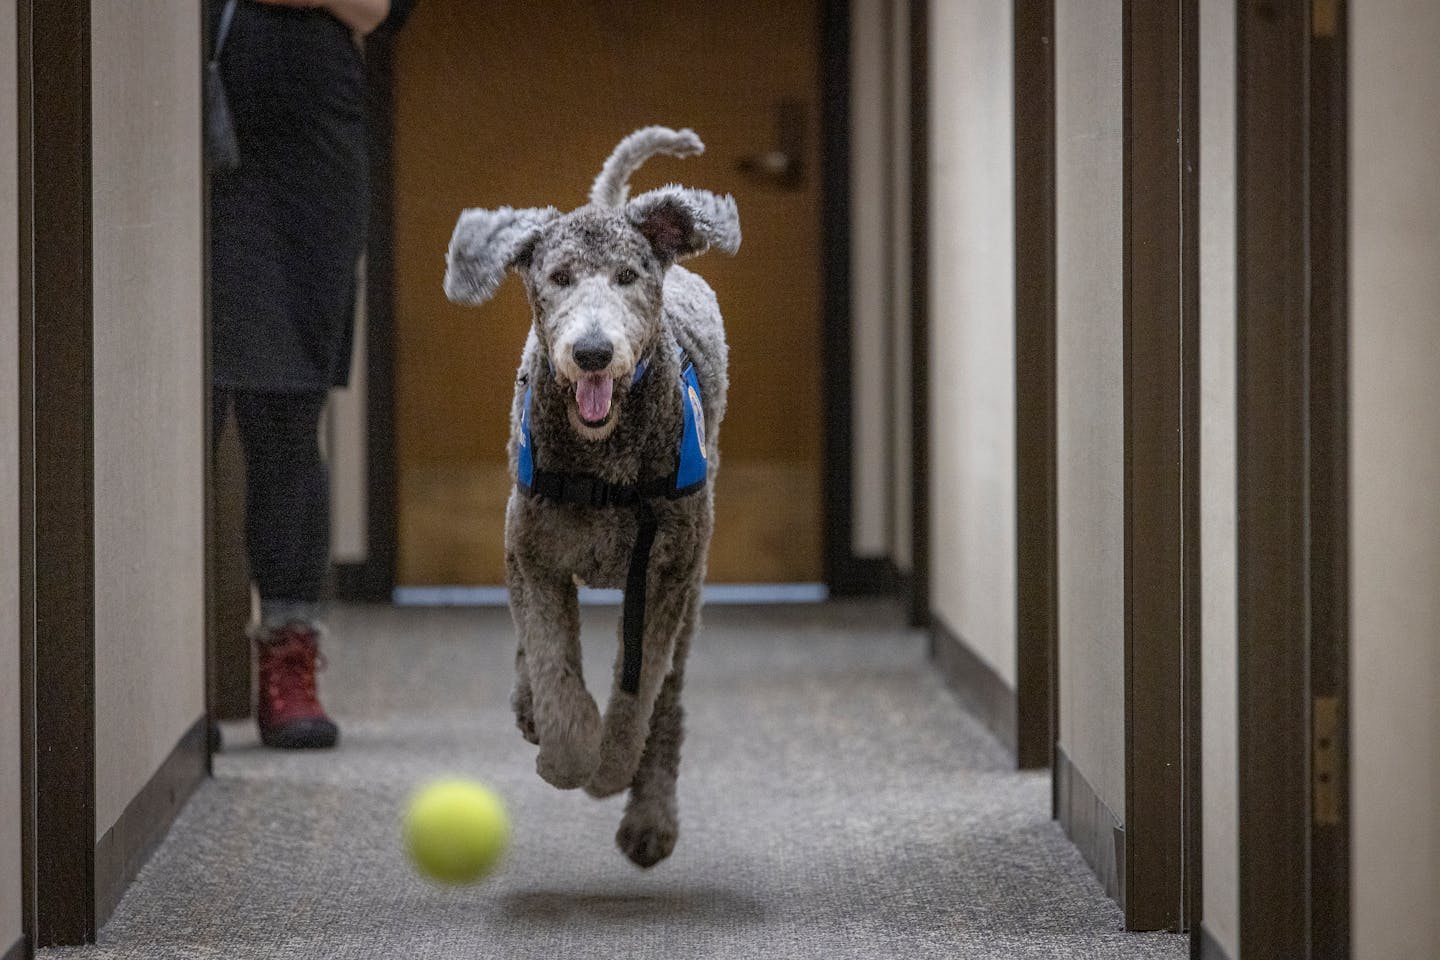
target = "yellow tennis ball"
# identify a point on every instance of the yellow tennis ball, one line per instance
(456, 830)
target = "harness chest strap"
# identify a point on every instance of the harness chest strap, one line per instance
(587, 490)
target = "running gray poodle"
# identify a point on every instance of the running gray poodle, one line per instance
(613, 433)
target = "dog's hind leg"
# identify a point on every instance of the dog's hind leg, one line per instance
(671, 616)
(651, 823)
(565, 718)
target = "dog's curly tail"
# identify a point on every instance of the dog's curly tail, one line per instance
(612, 187)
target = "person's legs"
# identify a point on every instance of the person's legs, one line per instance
(287, 540)
(287, 502)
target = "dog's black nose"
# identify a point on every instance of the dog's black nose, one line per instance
(593, 353)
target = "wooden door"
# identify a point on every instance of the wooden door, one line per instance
(515, 103)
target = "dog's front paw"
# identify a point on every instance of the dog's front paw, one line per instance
(570, 750)
(612, 776)
(566, 766)
(647, 835)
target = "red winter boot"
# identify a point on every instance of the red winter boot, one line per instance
(289, 712)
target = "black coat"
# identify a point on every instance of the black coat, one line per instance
(289, 224)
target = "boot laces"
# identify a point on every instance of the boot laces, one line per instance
(293, 657)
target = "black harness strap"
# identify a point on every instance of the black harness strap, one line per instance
(585, 490)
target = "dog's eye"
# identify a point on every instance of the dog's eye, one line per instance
(561, 278)
(626, 277)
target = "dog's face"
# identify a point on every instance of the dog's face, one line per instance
(595, 278)
(596, 287)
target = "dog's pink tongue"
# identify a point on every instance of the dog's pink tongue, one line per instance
(592, 396)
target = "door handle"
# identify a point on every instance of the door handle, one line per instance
(783, 165)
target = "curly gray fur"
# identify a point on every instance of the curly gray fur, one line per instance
(613, 184)
(485, 244)
(608, 272)
(714, 221)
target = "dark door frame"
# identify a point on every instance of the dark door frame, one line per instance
(1329, 413)
(1292, 428)
(1162, 431)
(919, 580)
(374, 579)
(57, 572)
(1035, 598)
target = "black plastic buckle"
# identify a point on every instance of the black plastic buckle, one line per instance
(583, 491)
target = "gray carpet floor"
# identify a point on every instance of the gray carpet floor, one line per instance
(836, 802)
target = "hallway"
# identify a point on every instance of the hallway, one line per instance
(835, 802)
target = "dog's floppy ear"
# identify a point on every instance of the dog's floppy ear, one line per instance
(681, 222)
(485, 244)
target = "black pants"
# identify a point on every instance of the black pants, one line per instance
(287, 490)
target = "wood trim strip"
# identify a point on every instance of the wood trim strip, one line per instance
(1161, 341)
(866, 576)
(1271, 292)
(920, 312)
(977, 685)
(57, 437)
(835, 311)
(891, 283)
(1035, 480)
(220, 687)
(232, 670)
(1092, 826)
(125, 847)
(1329, 434)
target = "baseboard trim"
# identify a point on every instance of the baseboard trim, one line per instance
(18, 951)
(1210, 948)
(359, 583)
(975, 682)
(1091, 826)
(864, 577)
(125, 847)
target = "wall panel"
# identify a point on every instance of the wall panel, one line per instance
(972, 329)
(1395, 479)
(1089, 394)
(149, 400)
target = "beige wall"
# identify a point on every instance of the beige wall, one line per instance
(347, 452)
(10, 920)
(1217, 472)
(1089, 400)
(1395, 478)
(972, 327)
(869, 278)
(149, 401)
